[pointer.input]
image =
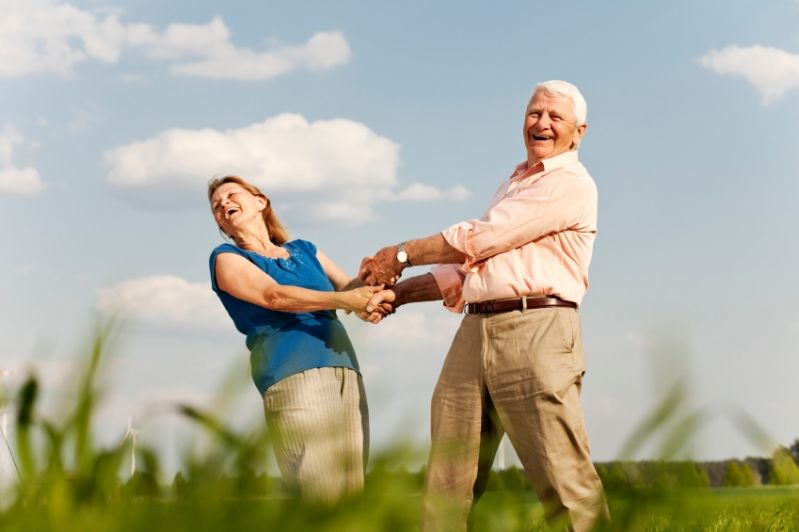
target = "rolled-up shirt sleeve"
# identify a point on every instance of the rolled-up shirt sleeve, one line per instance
(449, 278)
(555, 203)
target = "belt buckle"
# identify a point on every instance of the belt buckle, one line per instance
(524, 303)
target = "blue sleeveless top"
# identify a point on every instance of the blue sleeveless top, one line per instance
(282, 344)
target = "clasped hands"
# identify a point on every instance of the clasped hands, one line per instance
(381, 269)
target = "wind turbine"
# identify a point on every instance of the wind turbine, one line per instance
(501, 454)
(132, 434)
(7, 459)
(4, 415)
(4, 423)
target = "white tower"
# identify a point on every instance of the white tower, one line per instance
(9, 474)
(501, 458)
(132, 433)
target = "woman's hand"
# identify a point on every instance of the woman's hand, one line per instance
(379, 306)
(382, 301)
(357, 299)
(374, 317)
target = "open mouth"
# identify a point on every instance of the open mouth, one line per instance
(230, 212)
(540, 138)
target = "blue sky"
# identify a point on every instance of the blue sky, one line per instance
(374, 122)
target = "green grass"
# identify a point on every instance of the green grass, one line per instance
(70, 483)
(735, 509)
(711, 509)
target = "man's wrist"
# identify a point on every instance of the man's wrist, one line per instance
(355, 282)
(399, 295)
(402, 255)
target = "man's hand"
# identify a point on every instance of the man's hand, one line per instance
(382, 268)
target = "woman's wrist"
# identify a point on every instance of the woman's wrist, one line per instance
(343, 301)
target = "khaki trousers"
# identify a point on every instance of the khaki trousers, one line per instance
(320, 426)
(517, 372)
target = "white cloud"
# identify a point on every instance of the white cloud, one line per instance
(171, 301)
(458, 193)
(412, 330)
(31, 41)
(773, 72)
(418, 192)
(53, 373)
(179, 41)
(164, 300)
(8, 139)
(321, 52)
(284, 152)
(51, 36)
(24, 181)
(330, 169)
(422, 192)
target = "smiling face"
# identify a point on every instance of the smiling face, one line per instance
(550, 127)
(234, 207)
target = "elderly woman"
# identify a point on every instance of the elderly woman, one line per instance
(283, 295)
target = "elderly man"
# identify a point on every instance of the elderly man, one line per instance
(516, 363)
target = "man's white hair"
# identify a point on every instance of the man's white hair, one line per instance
(566, 90)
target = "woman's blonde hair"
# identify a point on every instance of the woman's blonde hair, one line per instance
(277, 232)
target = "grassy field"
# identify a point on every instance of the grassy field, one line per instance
(711, 509)
(725, 509)
(68, 483)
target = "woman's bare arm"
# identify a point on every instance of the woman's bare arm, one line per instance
(243, 280)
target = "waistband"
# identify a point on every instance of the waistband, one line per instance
(522, 303)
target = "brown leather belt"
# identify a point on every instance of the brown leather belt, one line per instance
(522, 303)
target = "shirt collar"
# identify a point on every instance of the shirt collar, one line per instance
(546, 165)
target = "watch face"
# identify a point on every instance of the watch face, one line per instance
(402, 256)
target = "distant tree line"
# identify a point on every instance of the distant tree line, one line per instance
(781, 469)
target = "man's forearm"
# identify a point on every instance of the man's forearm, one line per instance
(433, 250)
(355, 282)
(416, 289)
(385, 266)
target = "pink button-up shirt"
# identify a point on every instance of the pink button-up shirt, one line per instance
(535, 239)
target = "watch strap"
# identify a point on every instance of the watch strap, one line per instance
(401, 249)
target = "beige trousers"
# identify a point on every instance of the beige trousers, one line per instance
(517, 372)
(320, 426)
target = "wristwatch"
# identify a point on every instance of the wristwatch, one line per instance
(402, 255)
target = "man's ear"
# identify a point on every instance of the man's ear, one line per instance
(578, 135)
